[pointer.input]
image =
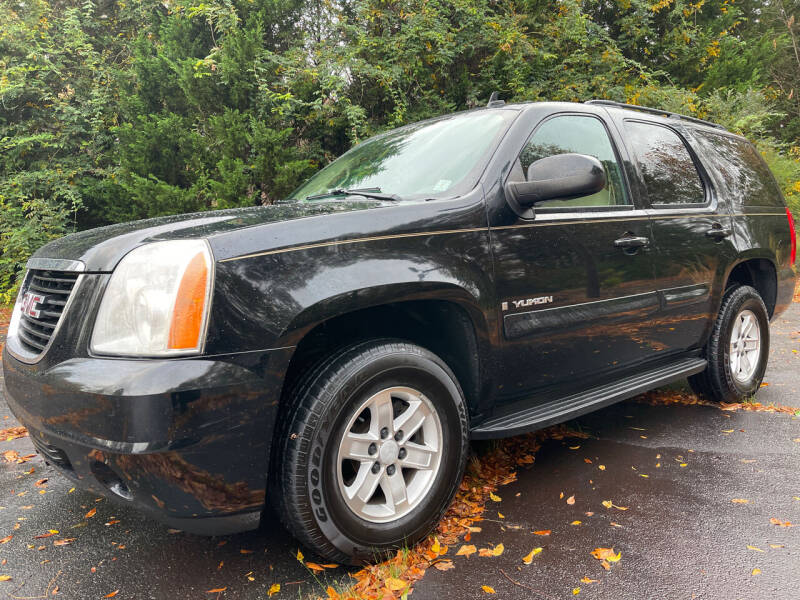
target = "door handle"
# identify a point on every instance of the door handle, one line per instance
(632, 241)
(718, 232)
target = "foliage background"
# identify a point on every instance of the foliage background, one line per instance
(112, 110)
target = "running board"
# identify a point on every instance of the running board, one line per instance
(575, 405)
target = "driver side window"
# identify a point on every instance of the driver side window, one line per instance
(581, 135)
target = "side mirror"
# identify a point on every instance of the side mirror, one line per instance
(561, 176)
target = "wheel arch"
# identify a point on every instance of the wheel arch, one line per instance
(443, 318)
(758, 271)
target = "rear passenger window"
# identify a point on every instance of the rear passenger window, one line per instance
(744, 173)
(664, 161)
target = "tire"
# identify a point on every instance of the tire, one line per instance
(339, 409)
(733, 380)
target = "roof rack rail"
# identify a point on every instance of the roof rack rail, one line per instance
(655, 111)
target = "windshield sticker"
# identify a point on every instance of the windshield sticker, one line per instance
(442, 185)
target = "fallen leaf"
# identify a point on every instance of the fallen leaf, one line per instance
(574, 447)
(274, 589)
(114, 593)
(466, 550)
(214, 591)
(609, 504)
(585, 579)
(501, 515)
(542, 532)
(487, 589)
(780, 523)
(435, 547)
(528, 558)
(299, 556)
(601, 467)
(45, 535)
(754, 548)
(90, 514)
(395, 584)
(571, 500)
(494, 497)
(575, 523)
(576, 591)
(5, 577)
(776, 545)
(756, 571)
(606, 554)
(6, 539)
(315, 567)
(444, 565)
(244, 551)
(64, 542)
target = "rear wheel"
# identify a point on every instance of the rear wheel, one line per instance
(373, 451)
(737, 350)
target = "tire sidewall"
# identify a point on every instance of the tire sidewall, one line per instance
(349, 533)
(746, 299)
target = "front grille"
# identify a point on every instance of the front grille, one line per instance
(55, 287)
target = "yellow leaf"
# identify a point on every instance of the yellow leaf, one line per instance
(494, 497)
(5, 577)
(299, 556)
(601, 467)
(683, 464)
(576, 591)
(529, 557)
(436, 546)
(501, 515)
(575, 523)
(274, 589)
(466, 550)
(585, 579)
(395, 584)
(487, 589)
(754, 548)
(498, 550)
(740, 501)
(756, 571)
(609, 504)
(574, 447)
(643, 475)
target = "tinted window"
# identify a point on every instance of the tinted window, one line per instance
(581, 135)
(745, 175)
(665, 164)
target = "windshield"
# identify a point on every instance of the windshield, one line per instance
(427, 159)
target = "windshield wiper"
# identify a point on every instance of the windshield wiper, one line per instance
(374, 192)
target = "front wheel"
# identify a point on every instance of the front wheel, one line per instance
(372, 452)
(737, 350)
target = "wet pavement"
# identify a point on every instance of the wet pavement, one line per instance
(681, 536)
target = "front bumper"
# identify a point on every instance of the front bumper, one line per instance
(185, 440)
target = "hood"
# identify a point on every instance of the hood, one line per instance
(102, 248)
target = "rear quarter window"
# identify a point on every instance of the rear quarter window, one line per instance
(746, 178)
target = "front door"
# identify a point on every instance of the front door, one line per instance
(574, 277)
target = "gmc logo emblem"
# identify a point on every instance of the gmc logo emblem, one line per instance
(29, 302)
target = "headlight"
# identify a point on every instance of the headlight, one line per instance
(157, 301)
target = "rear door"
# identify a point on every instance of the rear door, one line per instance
(575, 299)
(691, 228)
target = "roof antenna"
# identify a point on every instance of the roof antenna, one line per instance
(494, 101)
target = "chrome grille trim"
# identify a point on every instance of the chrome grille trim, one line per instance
(30, 338)
(55, 264)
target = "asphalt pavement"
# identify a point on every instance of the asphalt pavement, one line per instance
(676, 469)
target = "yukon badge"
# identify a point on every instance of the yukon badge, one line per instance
(528, 302)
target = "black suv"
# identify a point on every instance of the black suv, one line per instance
(473, 276)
